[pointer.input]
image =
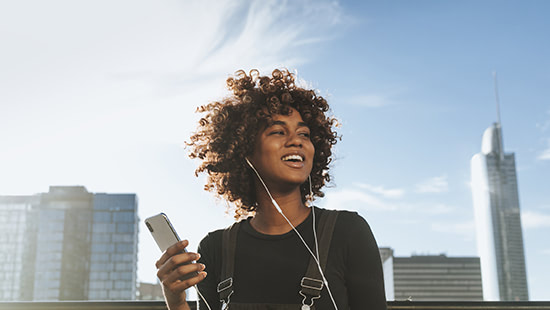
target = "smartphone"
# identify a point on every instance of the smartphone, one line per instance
(162, 230)
(164, 234)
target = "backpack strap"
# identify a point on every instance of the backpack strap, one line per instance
(229, 245)
(312, 283)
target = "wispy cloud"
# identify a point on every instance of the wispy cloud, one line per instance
(543, 127)
(376, 197)
(156, 71)
(245, 35)
(360, 199)
(465, 229)
(545, 154)
(439, 208)
(433, 185)
(388, 193)
(531, 219)
(267, 34)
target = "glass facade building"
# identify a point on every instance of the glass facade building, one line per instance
(437, 278)
(17, 246)
(498, 220)
(68, 244)
(114, 247)
(431, 277)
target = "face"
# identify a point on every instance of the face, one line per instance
(283, 154)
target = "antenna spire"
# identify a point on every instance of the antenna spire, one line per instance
(496, 97)
(498, 125)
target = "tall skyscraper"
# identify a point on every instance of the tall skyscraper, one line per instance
(498, 222)
(68, 244)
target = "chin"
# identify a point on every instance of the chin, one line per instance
(297, 181)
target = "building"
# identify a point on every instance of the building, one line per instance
(498, 222)
(113, 268)
(62, 231)
(441, 278)
(431, 277)
(68, 244)
(386, 256)
(18, 221)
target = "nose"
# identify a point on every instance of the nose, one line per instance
(294, 140)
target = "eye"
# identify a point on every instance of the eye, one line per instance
(304, 134)
(277, 132)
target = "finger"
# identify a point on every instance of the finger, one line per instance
(177, 248)
(184, 272)
(175, 261)
(181, 286)
(182, 258)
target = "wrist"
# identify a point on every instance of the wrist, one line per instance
(182, 306)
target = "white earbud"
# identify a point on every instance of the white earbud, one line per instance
(249, 163)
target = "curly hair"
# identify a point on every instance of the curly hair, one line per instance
(227, 134)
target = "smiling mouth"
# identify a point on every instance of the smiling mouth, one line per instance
(293, 158)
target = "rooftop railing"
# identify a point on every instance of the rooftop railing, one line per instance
(159, 305)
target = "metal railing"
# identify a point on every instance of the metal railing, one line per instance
(159, 305)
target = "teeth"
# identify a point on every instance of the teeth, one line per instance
(293, 157)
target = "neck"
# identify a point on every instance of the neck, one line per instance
(268, 220)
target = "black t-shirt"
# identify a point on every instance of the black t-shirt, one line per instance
(269, 268)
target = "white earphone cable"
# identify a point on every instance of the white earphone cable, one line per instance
(315, 257)
(202, 297)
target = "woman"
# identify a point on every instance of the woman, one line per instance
(267, 148)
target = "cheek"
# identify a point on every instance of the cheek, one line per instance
(263, 152)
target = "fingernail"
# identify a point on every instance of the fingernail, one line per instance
(203, 266)
(197, 256)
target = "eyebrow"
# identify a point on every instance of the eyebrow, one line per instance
(300, 124)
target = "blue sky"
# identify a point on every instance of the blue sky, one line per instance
(102, 94)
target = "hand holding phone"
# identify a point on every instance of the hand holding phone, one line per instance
(177, 269)
(166, 237)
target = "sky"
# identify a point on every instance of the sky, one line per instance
(103, 94)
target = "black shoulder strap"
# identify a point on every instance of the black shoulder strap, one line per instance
(229, 245)
(312, 282)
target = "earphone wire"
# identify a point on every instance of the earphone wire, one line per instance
(202, 297)
(315, 257)
(313, 211)
(317, 247)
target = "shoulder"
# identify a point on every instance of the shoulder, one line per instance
(210, 250)
(348, 221)
(351, 230)
(211, 242)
